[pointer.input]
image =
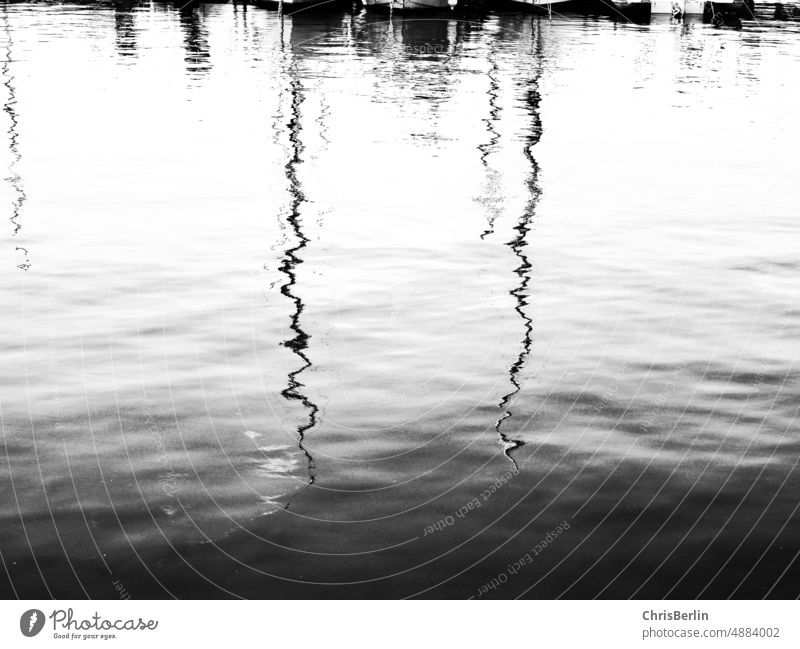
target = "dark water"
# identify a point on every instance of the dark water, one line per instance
(351, 308)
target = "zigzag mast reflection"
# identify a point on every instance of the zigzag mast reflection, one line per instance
(13, 179)
(517, 245)
(299, 343)
(494, 137)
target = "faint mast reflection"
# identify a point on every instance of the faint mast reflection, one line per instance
(195, 39)
(518, 244)
(13, 179)
(299, 342)
(494, 136)
(125, 26)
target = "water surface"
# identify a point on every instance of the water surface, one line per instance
(344, 307)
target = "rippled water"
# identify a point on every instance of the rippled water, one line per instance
(488, 307)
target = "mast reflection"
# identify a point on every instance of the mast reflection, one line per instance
(125, 26)
(195, 39)
(9, 107)
(532, 100)
(298, 343)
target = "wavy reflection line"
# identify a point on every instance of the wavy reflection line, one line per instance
(518, 245)
(277, 124)
(322, 118)
(291, 259)
(13, 179)
(494, 137)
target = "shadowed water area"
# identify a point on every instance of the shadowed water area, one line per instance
(347, 307)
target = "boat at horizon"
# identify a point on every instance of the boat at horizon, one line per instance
(545, 6)
(409, 5)
(703, 8)
(298, 4)
(642, 10)
(638, 11)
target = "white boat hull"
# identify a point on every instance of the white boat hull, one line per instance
(409, 5)
(687, 7)
(669, 7)
(540, 3)
(287, 4)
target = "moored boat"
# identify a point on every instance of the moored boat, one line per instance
(703, 8)
(638, 11)
(293, 5)
(547, 6)
(677, 8)
(409, 5)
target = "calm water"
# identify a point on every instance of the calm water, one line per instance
(356, 308)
